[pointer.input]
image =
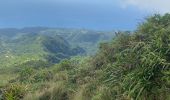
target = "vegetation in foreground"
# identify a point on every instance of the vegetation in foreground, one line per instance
(130, 67)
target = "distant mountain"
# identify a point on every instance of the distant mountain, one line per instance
(47, 44)
(30, 47)
(87, 39)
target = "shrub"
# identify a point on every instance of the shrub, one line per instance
(14, 92)
(56, 92)
(43, 75)
(65, 65)
(142, 60)
(25, 74)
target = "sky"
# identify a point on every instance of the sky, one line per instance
(88, 14)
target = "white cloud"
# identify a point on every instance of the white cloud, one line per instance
(161, 6)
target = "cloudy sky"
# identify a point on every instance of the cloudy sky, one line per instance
(90, 14)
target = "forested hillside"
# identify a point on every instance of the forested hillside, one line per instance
(44, 47)
(86, 39)
(34, 47)
(132, 66)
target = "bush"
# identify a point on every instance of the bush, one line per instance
(57, 92)
(25, 74)
(65, 65)
(14, 92)
(43, 75)
(141, 60)
(30, 75)
(104, 93)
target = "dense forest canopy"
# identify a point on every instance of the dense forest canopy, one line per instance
(132, 66)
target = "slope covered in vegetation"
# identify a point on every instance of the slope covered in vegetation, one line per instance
(32, 47)
(32, 50)
(86, 39)
(131, 66)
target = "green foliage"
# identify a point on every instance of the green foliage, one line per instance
(25, 74)
(43, 75)
(59, 92)
(65, 65)
(104, 93)
(130, 67)
(140, 60)
(14, 92)
(30, 75)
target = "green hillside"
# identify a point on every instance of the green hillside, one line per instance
(31, 47)
(132, 66)
(86, 39)
(40, 47)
